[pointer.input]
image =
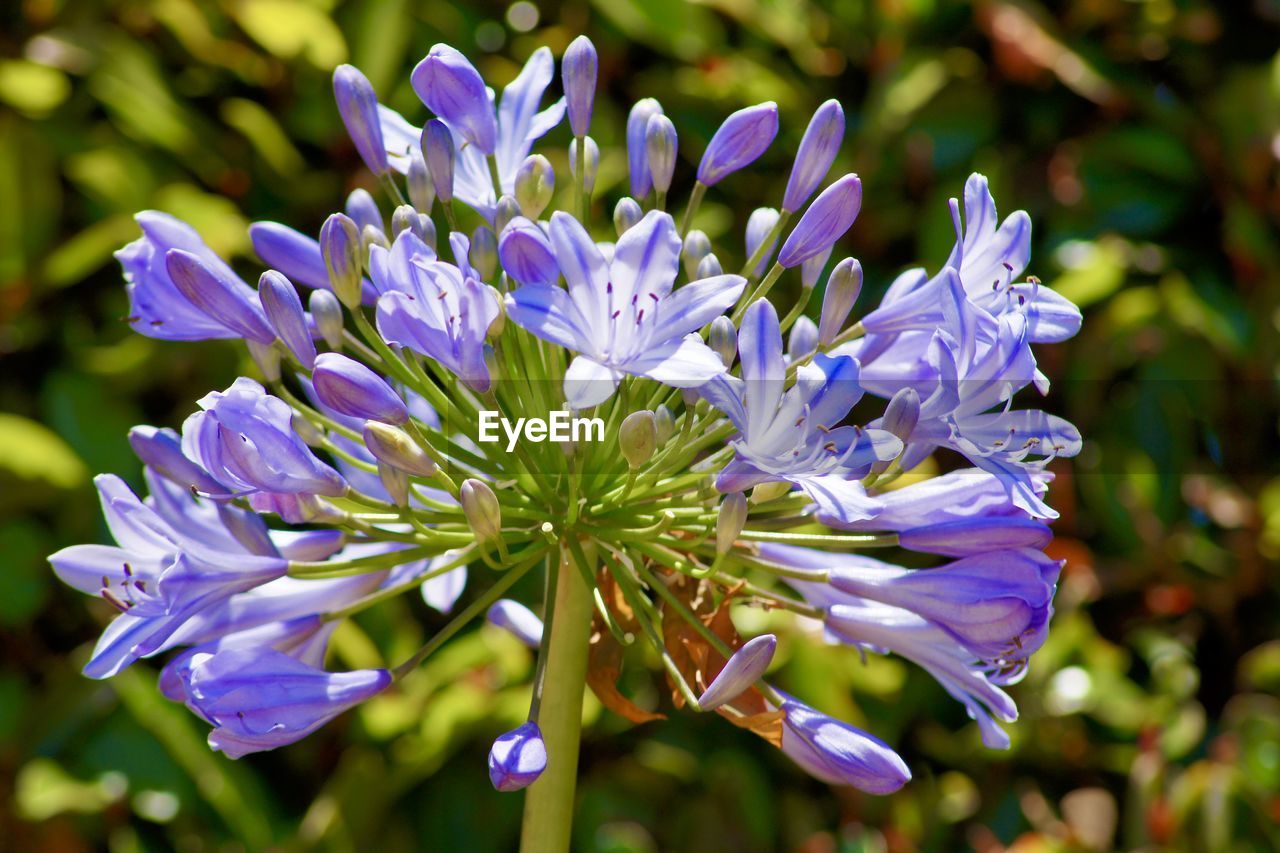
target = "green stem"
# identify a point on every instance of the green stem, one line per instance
(549, 803)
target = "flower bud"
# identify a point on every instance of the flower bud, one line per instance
(738, 142)
(350, 388)
(664, 424)
(811, 269)
(483, 254)
(730, 521)
(480, 505)
(837, 753)
(626, 213)
(708, 267)
(592, 163)
(637, 153)
(723, 339)
(766, 492)
(696, 247)
(526, 253)
(396, 482)
(407, 218)
(507, 209)
(817, 152)
(161, 451)
(535, 184)
(283, 307)
(804, 338)
(515, 618)
(517, 758)
(578, 71)
(902, 414)
(825, 222)
(215, 291)
(452, 89)
(290, 252)
(437, 149)
(744, 668)
(843, 286)
(759, 225)
(358, 106)
(638, 438)
(363, 210)
(326, 312)
(422, 191)
(393, 446)
(660, 144)
(369, 238)
(340, 246)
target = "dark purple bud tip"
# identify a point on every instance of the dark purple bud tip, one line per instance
(358, 106)
(825, 222)
(517, 758)
(349, 387)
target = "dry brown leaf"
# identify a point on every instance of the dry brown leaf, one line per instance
(604, 666)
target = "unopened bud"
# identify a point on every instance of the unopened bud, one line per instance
(508, 209)
(326, 312)
(437, 149)
(371, 237)
(744, 668)
(708, 267)
(902, 414)
(578, 71)
(363, 210)
(266, 357)
(766, 492)
(759, 226)
(483, 254)
(535, 184)
(626, 214)
(480, 505)
(638, 438)
(665, 422)
(358, 106)
(340, 246)
(422, 192)
(660, 143)
(591, 153)
(406, 218)
(732, 518)
(391, 445)
(284, 312)
(804, 338)
(723, 339)
(824, 222)
(697, 245)
(843, 286)
(351, 388)
(517, 758)
(526, 253)
(396, 482)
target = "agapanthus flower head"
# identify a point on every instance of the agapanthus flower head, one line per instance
(413, 438)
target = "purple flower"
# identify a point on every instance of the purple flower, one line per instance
(437, 311)
(161, 451)
(517, 758)
(578, 70)
(518, 125)
(158, 307)
(259, 698)
(351, 388)
(518, 620)
(738, 142)
(162, 571)
(744, 668)
(817, 152)
(637, 148)
(244, 438)
(284, 311)
(843, 286)
(623, 316)
(358, 106)
(792, 434)
(839, 754)
(825, 222)
(526, 253)
(451, 88)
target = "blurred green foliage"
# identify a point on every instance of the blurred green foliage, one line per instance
(1143, 137)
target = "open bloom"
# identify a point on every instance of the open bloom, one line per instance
(623, 317)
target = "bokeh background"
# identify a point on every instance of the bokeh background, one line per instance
(1142, 136)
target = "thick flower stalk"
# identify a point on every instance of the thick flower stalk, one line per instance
(481, 384)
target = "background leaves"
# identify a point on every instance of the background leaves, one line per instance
(1141, 136)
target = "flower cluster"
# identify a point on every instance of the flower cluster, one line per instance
(747, 458)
